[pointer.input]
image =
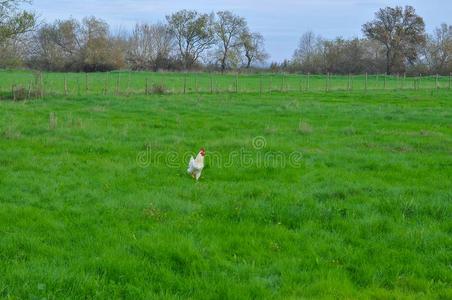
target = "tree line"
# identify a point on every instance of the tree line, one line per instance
(187, 40)
(395, 41)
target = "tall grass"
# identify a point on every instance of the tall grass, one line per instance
(95, 201)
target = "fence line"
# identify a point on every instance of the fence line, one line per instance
(25, 85)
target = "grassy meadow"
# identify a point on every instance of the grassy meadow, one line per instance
(95, 201)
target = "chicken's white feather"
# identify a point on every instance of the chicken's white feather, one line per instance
(195, 166)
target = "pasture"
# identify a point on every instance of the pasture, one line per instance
(95, 201)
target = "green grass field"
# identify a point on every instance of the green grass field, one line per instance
(95, 201)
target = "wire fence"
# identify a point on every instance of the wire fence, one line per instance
(18, 85)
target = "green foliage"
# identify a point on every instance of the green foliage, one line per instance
(402, 33)
(366, 214)
(193, 34)
(13, 21)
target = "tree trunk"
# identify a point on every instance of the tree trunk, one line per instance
(388, 62)
(223, 62)
(249, 61)
(223, 65)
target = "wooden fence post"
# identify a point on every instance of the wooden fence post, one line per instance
(196, 83)
(128, 83)
(282, 83)
(349, 82)
(29, 91)
(326, 82)
(13, 91)
(271, 83)
(118, 82)
(86, 83)
(301, 84)
(365, 84)
(107, 83)
(78, 85)
(330, 82)
(260, 85)
(42, 85)
(211, 84)
(65, 85)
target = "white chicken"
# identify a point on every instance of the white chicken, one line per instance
(196, 165)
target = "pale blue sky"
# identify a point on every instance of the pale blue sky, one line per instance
(281, 22)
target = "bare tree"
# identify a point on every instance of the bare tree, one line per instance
(438, 51)
(306, 46)
(14, 51)
(401, 31)
(45, 53)
(119, 45)
(308, 55)
(317, 55)
(193, 34)
(228, 29)
(95, 35)
(150, 47)
(67, 35)
(70, 45)
(253, 48)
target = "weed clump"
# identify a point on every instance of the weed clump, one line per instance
(304, 128)
(350, 131)
(20, 93)
(154, 213)
(159, 89)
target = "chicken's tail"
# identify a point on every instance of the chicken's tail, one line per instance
(190, 165)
